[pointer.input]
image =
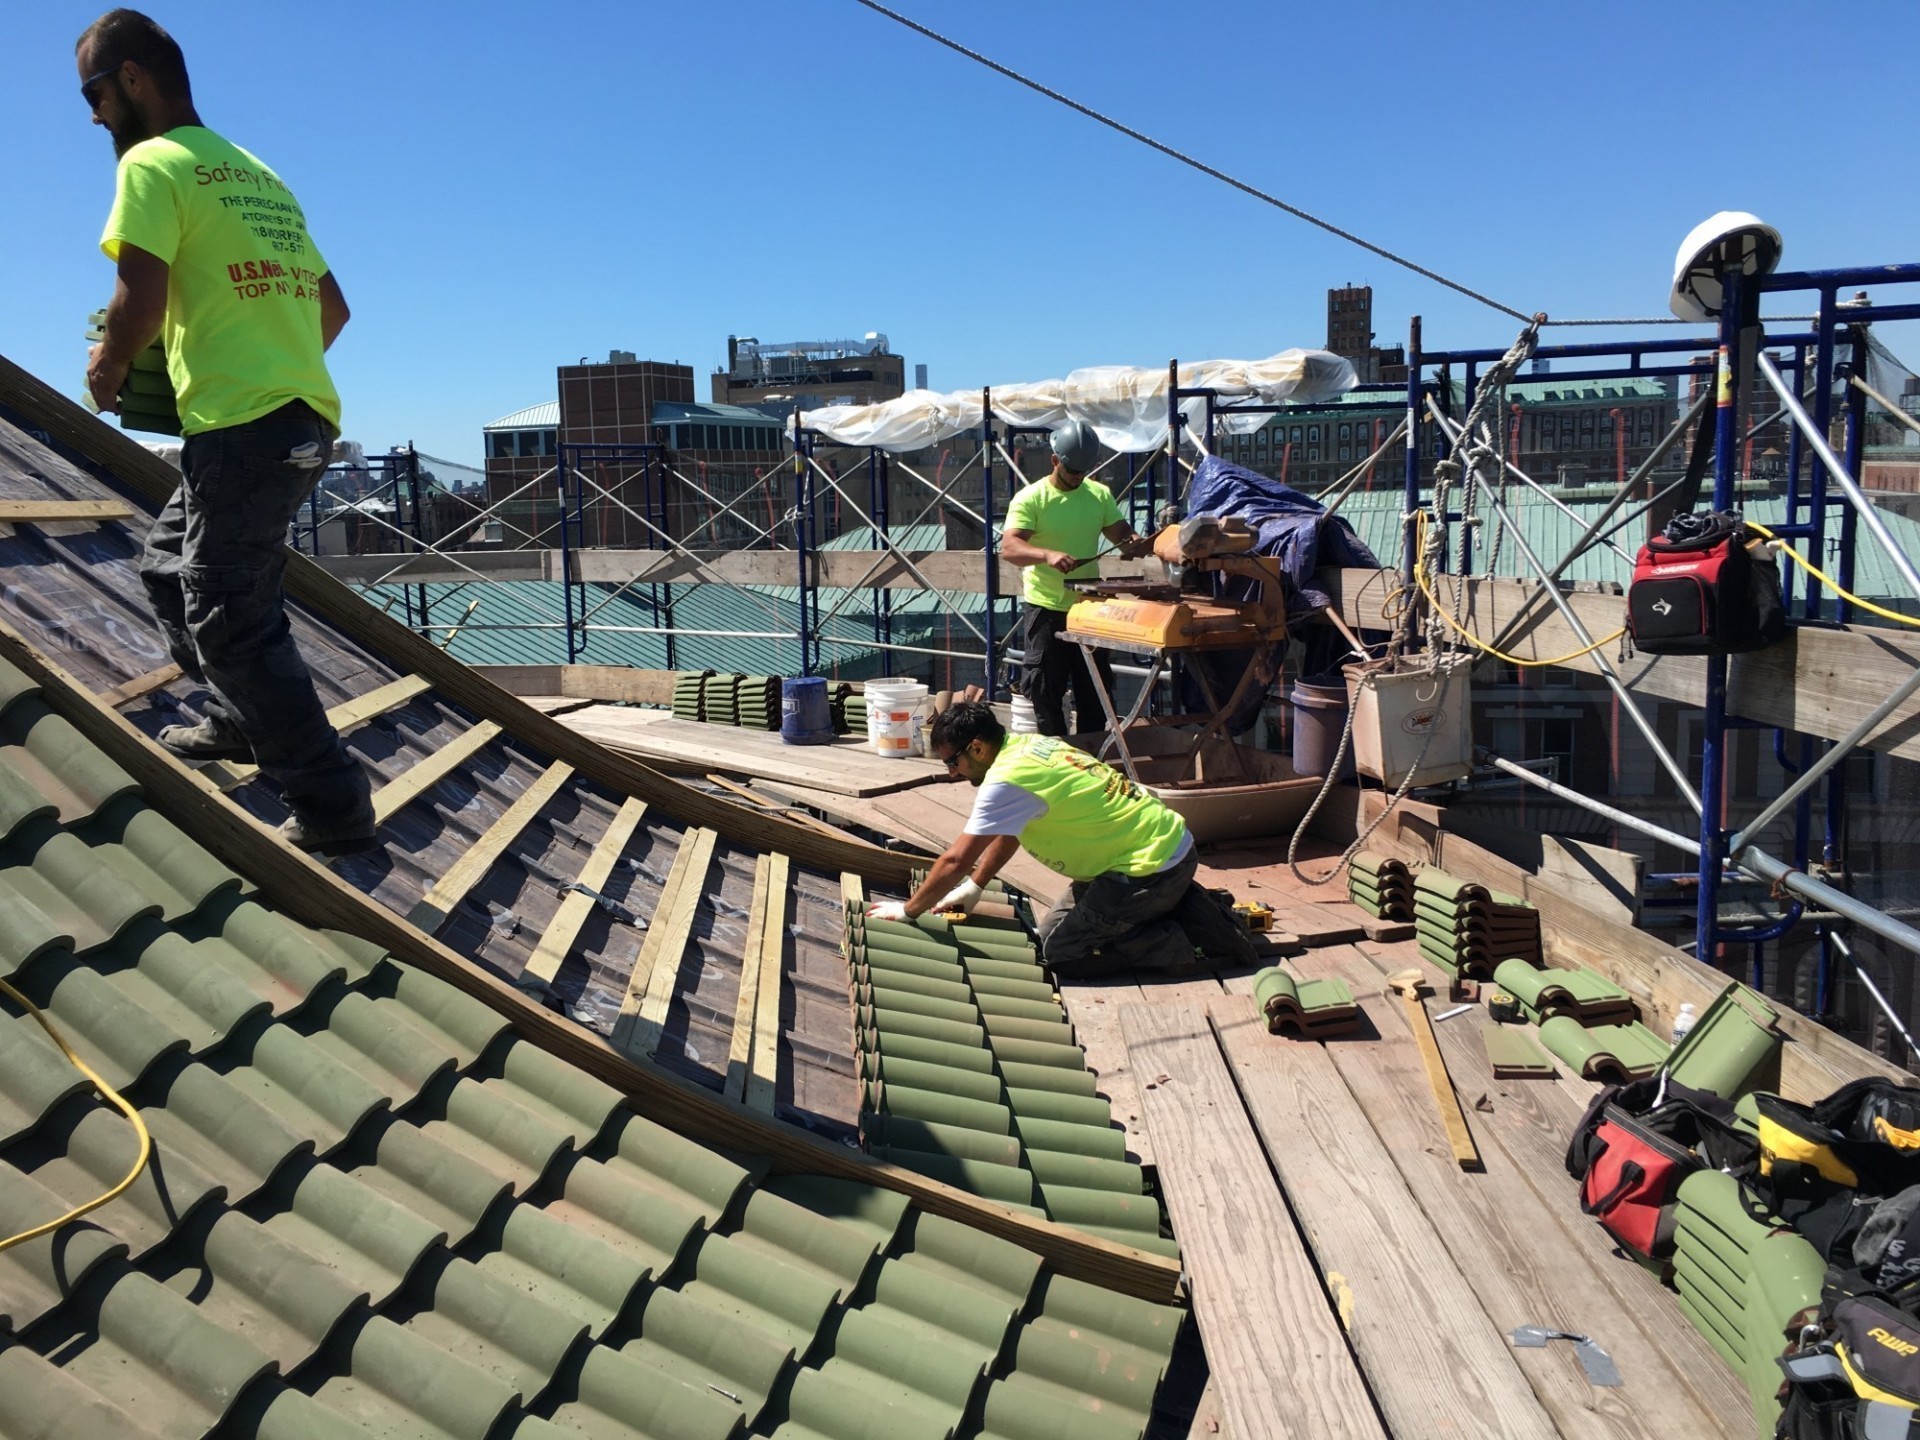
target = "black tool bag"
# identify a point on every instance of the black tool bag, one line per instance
(1634, 1146)
(1700, 589)
(1827, 1168)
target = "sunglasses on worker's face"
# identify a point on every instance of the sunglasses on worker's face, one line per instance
(86, 86)
(952, 762)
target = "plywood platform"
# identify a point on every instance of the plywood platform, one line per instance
(846, 767)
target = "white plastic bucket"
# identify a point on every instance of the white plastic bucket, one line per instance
(896, 709)
(1024, 720)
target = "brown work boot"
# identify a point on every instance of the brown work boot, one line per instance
(332, 835)
(206, 741)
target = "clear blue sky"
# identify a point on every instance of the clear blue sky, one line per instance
(502, 188)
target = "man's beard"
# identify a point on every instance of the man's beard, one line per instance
(128, 135)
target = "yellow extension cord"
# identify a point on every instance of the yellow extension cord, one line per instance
(1420, 578)
(112, 1095)
(1822, 576)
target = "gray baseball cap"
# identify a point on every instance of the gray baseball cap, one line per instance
(1077, 446)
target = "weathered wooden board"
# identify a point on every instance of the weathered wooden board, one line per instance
(1515, 1249)
(1366, 1228)
(1607, 880)
(1282, 1363)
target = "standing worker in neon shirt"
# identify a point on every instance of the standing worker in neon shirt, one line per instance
(214, 259)
(1053, 529)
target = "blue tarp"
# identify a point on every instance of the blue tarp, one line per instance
(1292, 526)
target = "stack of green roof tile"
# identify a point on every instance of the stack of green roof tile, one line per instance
(1745, 1282)
(1467, 929)
(1380, 885)
(1585, 995)
(688, 694)
(973, 1077)
(373, 1210)
(147, 399)
(757, 703)
(1311, 1009)
(719, 698)
(847, 707)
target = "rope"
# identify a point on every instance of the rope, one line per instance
(113, 1096)
(1188, 160)
(1421, 578)
(1827, 580)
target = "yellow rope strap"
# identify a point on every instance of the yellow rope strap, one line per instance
(1420, 578)
(1825, 579)
(113, 1096)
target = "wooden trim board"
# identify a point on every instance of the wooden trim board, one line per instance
(461, 876)
(41, 512)
(131, 690)
(763, 1082)
(557, 939)
(746, 1005)
(638, 1028)
(228, 773)
(393, 797)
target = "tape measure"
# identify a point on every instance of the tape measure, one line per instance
(1503, 1007)
(1254, 914)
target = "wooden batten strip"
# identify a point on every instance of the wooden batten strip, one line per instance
(567, 921)
(746, 1007)
(344, 716)
(764, 1082)
(146, 684)
(36, 512)
(313, 895)
(643, 1016)
(451, 888)
(396, 795)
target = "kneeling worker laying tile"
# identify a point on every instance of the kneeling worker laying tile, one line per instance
(1134, 903)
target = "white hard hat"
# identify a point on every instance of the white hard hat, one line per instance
(1733, 239)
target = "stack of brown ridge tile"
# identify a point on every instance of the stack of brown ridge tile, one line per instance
(1380, 885)
(1467, 929)
(972, 1075)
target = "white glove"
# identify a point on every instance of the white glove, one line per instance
(887, 910)
(962, 897)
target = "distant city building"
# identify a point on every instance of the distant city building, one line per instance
(809, 373)
(1350, 336)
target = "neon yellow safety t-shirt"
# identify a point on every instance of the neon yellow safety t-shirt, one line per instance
(242, 332)
(1056, 519)
(1097, 821)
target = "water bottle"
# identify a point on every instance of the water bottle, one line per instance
(1683, 1022)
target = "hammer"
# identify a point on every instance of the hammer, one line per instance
(1409, 985)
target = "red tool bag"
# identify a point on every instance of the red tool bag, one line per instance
(1699, 590)
(1634, 1146)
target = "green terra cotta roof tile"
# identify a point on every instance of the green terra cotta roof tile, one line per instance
(972, 1076)
(372, 1211)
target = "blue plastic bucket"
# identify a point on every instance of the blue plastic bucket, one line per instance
(805, 716)
(1319, 717)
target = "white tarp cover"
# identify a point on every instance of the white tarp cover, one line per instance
(1126, 404)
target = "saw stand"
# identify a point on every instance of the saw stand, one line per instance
(1265, 633)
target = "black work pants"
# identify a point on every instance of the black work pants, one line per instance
(1117, 922)
(1052, 666)
(213, 569)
